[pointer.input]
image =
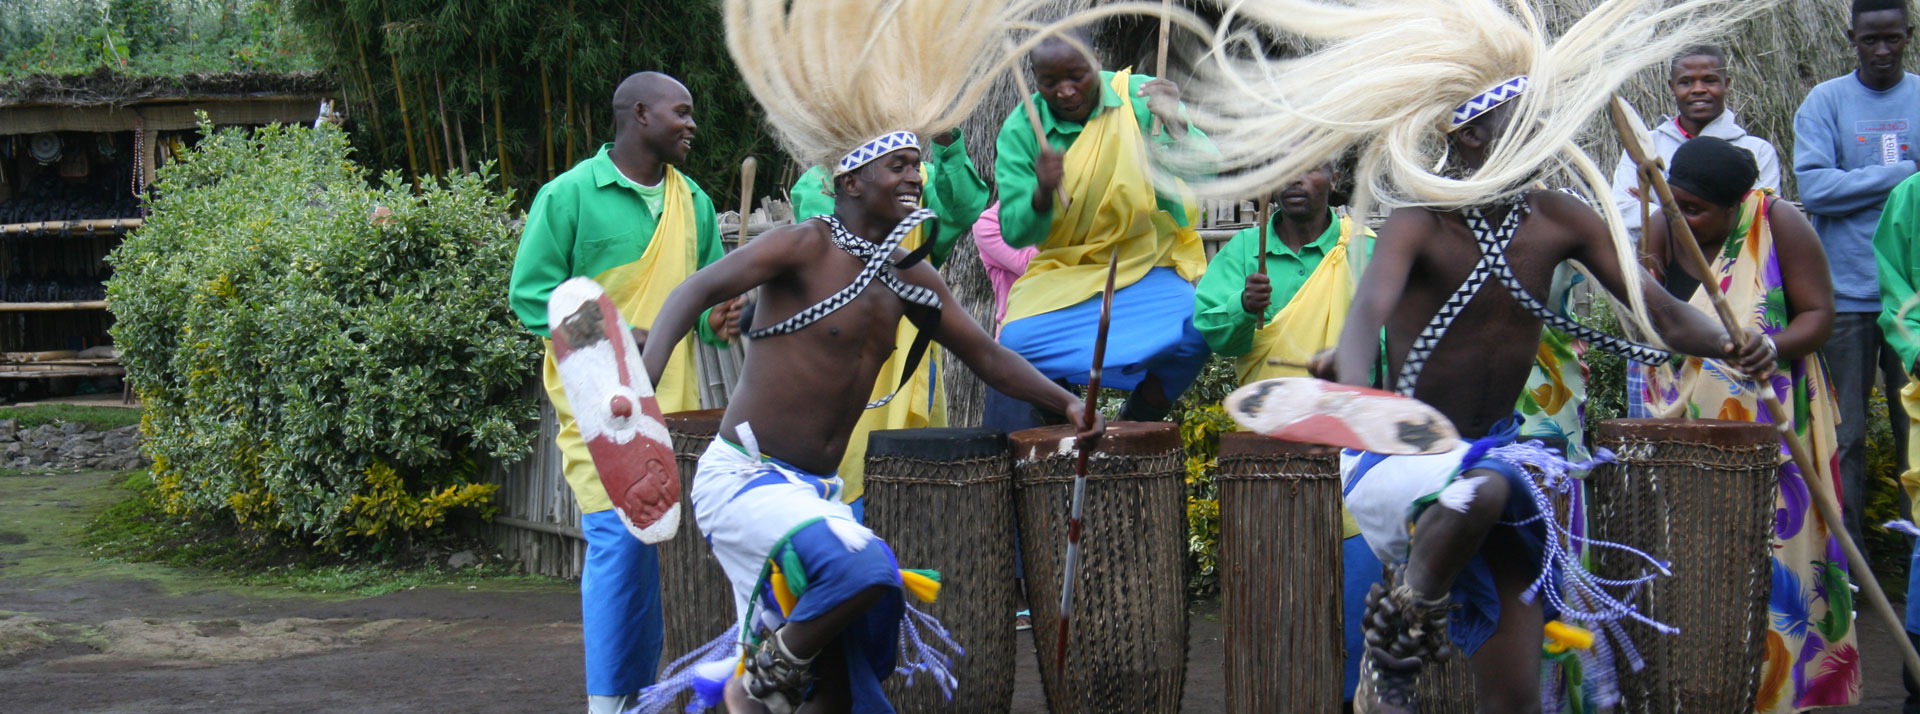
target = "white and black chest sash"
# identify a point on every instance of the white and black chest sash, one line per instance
(922, 304)
(1493, 240)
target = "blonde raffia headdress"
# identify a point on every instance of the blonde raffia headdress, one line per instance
(844, 82)
(1388, 80)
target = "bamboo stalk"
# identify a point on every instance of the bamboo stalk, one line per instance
(567, 123)
(406, 124)
(446, 134)
(1634, 135)
(366, 82)
(426, 127)
(546, 119)
(499, 133)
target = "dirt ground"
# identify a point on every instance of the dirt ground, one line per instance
(82, 635)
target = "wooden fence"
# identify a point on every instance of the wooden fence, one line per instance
(538, 521)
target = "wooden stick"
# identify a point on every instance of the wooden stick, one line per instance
(1160, 65)
(748, 166)
(1033, 119)
(1266, 216)
(1080, 467)
(1634, 135)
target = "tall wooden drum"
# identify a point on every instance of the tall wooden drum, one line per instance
(1280, 575)
(695, 599)
(1128, 644)
(943, 500)
(1699, 494)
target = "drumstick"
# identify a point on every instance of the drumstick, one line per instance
(1160, 66)
(1634, 135)
(1033, 119)
(1266, 206)
(1080, 466)
(747, 167)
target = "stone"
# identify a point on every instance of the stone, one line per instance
(11, 449)
(19, 462)
(72, 427)
(78, 447)
(120, 442)
(9, 429)
(462, 559)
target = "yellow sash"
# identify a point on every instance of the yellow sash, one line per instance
(1310, 321)
(638, 289)
(921, 403)
(1110, 203)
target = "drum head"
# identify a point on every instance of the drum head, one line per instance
(938, 444)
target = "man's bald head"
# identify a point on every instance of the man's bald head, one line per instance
(654, 112)
(649, 88)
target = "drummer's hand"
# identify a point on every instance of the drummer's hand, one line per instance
(1256, 295)
(1321, 365)
(1077, 415)
(1757, 357)
(724, 319)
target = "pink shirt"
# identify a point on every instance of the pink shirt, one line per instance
(1004, 264)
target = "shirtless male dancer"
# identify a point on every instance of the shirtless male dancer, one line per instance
(1468, 557)
(767, 483)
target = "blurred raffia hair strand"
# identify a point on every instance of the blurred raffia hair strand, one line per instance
(923, 67)
(1382, 78)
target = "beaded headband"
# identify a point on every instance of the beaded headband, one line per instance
(1485, 101)
(880, 146)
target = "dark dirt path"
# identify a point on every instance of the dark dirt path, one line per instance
(82, 635)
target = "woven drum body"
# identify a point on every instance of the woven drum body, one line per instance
(1127, 649)
(943, 500)
(695, 598)
(1699, 494)
(1280, 575)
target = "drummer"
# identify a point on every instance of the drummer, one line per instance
(1288, 313)
(1777, 277)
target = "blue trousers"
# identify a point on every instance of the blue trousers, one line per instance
(620, 621)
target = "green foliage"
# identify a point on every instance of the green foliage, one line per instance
(1202, 419)
(432, 83)
(1888, 552)
(292, 350)
(99, 418)
(1606, 371)
(148, 37)
(138, 529)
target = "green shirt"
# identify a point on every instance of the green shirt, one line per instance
(1217, 312)
(587, 221)
(1017, 147)
(954, 192)
(1898, 267)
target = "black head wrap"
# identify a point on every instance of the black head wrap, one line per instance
(1713, 169)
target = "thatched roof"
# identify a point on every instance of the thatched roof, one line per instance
(107, 88)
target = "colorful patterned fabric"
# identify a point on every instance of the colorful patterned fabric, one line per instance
(1812, 656)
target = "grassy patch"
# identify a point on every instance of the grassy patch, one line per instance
(99, 418)
(136, 530)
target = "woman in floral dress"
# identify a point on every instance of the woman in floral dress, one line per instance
(1769, 263)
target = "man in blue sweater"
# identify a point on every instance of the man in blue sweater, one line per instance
(1852, 145)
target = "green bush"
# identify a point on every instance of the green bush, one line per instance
(306, 368)
(1202, 419)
